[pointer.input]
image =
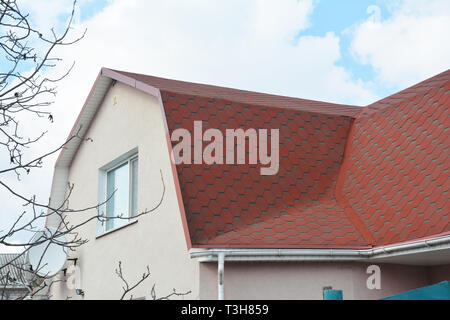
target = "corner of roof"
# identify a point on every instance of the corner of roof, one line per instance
(407, 93)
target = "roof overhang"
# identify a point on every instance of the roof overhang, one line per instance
(104, 80)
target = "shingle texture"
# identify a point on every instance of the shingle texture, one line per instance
(349, 177)
(397, 170)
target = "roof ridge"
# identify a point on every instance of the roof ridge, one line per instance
(242, 96)
(408, 93)
(348, 210)
(225, 87)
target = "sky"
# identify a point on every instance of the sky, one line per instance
(347, 51)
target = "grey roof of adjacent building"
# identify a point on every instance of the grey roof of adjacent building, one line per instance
(12, 266)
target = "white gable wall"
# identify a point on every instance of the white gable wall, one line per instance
(129, 118)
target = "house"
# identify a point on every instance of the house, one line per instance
(13, 283)
(17, 281)
(359, 201)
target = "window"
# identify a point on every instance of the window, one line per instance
(118, 188)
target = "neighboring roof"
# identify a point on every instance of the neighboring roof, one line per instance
(349, 177)
(12, 270)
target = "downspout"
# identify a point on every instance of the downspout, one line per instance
(220, 274)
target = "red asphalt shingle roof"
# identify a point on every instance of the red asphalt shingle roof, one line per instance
(349, 177)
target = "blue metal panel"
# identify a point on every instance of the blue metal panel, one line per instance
(332, 294)
(440, 291)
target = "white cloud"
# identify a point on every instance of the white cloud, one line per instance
(269, 21)
(249, 45)
(409, 46)
(45, 14)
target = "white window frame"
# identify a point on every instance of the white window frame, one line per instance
(127, 158)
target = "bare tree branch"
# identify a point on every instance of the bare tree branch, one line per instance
(127, 288)
(173, 294)
(26, 60)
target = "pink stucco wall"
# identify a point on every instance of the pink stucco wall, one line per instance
(439, 273)
(305, 280)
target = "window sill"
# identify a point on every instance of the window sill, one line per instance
(101, 235)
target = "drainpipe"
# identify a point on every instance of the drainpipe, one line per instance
(220, 271)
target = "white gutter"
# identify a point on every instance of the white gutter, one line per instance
(427, 245)
(276, 254)
(211, 255)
